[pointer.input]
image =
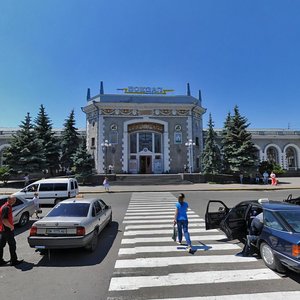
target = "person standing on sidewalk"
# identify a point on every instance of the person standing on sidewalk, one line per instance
(181, 220)
(7, 234)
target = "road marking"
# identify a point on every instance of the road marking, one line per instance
(164, 231)
(170, 217)
(191, 220)
(292, 295)
(176, 248)
(176, 279)
(153, 226)
(156, 213)
(154, 262)
(150, 210)
(168, 239)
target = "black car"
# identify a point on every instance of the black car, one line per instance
(279, 241)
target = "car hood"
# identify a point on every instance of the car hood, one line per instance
(60, 221)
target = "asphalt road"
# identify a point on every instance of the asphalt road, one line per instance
(76, 274)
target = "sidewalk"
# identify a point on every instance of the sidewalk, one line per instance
(288, 183)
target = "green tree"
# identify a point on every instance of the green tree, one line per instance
(239, 152)
(43, 128)
(211, 156)
(226, 143)
(25, 154)
(69, 142)
(83, 163)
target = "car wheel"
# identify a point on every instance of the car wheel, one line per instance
(24, 219)
(93, 243)
(270, 259)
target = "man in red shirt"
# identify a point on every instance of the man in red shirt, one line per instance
(7, 232)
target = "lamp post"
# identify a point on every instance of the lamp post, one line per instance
(105, 146)
(190, 145)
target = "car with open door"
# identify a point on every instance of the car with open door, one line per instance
(279, 241)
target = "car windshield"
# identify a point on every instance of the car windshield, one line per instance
(292, 218)
(70, 210)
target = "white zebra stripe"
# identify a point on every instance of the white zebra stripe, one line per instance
(155, 213)
(153, 249)
(176, 279)
(128, 227)
(161, 221)
(168, 239)
(292, 295)
(171, 216)
(164, 231)
(153, 262)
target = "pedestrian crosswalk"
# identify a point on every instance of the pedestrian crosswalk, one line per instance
(151, 266)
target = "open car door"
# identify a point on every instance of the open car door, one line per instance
(216, 211)
(234, 225)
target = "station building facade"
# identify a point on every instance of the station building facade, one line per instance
(142, 132)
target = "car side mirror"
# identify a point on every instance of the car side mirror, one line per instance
(221, 209)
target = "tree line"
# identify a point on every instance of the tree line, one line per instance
(236, 154)
(35, 149)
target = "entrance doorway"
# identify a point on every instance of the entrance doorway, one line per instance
(145, 164)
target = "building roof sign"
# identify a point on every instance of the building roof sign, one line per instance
(145, 90)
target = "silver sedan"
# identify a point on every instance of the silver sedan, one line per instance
(72, 223)
(22, 209)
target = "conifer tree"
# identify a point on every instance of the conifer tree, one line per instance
(239, 149)
(25, 154)
(226, 143)
(211, 156)
(83, 163)
(69, 141)
(43, 128)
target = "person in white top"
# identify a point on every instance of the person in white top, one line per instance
(36, 202)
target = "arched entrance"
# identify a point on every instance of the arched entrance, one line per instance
(145, 148)
(291, 158)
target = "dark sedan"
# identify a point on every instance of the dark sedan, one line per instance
(279, 242)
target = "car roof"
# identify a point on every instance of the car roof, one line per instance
(272, 205)
(80, 200)
(50, 180)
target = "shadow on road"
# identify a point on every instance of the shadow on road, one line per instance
(78, 257)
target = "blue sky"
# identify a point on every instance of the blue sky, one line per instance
(244, 53)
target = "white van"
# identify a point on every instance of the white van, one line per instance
(52, 190)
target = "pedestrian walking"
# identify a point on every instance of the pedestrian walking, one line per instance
(26, 179)
(36, 201)
(7, 234)
(181, 220)
(106, 184)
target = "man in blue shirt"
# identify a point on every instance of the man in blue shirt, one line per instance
(181, 220)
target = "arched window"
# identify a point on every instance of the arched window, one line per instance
(272, 155)
(291, 158)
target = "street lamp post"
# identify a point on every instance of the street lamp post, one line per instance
(190, 144)
(105, 146)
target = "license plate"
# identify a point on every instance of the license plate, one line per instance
(56, 231)
(40, 247)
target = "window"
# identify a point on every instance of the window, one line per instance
(271, 221)
(72, 185)
(238, 212)
(197, 141)
(93, 142)
(46, 187)
(145, 141)
(157, 143)
(133, 143)
(60, 186)
(97, 207)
